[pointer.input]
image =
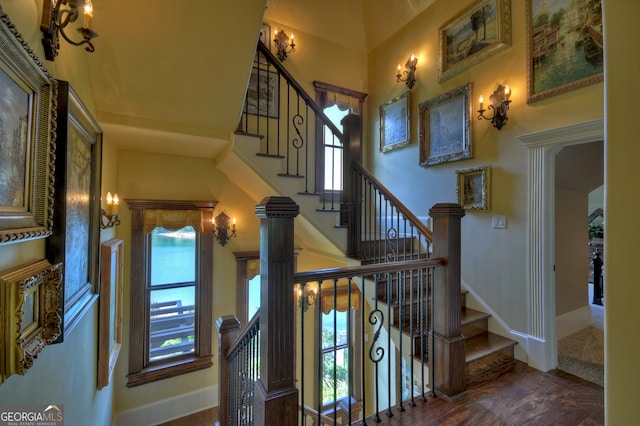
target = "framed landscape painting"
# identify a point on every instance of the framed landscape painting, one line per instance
(394, 123)
(27, 144)
(445, 127)
(473, 188)
(478, 32)
(564, 46)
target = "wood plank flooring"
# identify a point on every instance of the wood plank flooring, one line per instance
(523, 396)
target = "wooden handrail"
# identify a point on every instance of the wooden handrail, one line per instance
(275, 62)
(255, 320)
(412, 218)
(355, 271)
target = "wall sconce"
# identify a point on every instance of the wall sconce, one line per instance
(55, 19)
(307, 295)
(409, 70)
(109, 217)
(499, 104)
(284, 43)
(221, 228)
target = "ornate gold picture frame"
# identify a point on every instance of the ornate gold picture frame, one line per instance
(30, 314)
(27, 142)
(565, 47)
(480, 31)
(445, 127)
(473, 188)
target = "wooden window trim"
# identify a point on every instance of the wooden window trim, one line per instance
(140, 372)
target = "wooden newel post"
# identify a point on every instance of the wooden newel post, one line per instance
(228, 327)
(276, 397)
(449, 351)
(350, 208)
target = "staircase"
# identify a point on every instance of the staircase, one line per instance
(488, 355)
(277, 157)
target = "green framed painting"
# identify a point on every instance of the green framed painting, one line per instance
(564, 46)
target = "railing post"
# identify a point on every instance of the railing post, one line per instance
(228, 327)
(276, 397)
(449, 351)
(350, 209)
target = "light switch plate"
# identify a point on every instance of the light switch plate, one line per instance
(498, 222)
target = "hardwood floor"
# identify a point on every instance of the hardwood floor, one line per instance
(524, 396)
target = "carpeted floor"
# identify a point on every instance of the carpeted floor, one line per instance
(582, 353)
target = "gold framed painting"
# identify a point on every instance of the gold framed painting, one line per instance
(473, 188)
(565, 48)
(30, 314)
(445, 123)
(27, 143)
(110, 313)
(480, 31)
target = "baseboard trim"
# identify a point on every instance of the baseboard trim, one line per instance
(169, 409)
(573, 321)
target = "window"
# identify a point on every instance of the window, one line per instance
(336, 102)
(335, 357)
(171, 289)
(333, 150)
(340, 321)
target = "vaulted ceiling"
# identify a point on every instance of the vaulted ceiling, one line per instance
(167, 67)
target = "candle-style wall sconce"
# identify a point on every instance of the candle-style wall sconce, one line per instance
(109, 217)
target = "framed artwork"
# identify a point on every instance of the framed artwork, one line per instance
(76, 233)
(445, 127)
(263, 93)
(110, 314)
(394, 123)
(27, 140)
(265, 35)
(480, 31)
(564, 46)
(30, 314)
(473, 188)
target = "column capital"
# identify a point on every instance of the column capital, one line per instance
(277, 207)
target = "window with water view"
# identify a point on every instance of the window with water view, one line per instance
(172, 292)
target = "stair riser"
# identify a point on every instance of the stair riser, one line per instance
(490, 366)
(475, 328)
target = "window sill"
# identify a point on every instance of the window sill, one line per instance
(167, 370)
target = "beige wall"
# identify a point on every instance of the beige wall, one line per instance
(622, 291)
(497, 275)
(64, 373)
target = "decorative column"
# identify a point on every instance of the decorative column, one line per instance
(276, 397)
(449, 352)
(228, 327)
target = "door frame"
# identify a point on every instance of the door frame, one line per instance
(542, 147)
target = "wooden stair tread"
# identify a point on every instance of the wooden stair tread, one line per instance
(486, 344)
(469, 315)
